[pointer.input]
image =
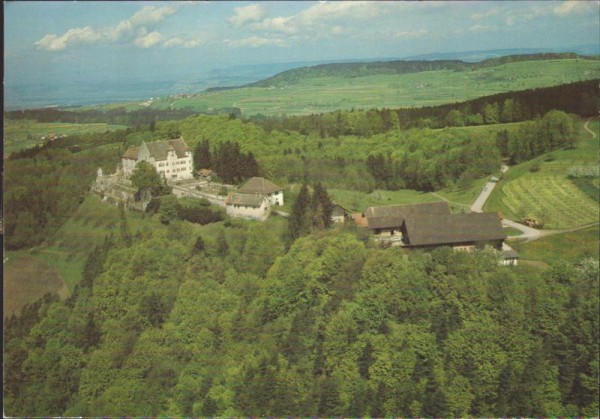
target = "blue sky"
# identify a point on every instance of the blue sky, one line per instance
(46, 41)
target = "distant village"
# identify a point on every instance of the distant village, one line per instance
(417, 226)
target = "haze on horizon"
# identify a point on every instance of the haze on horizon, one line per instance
(67, 42)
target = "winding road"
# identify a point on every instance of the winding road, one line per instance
(528, 233)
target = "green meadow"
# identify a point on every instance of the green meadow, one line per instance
(325, 94)
(21, 134)
(564, 247)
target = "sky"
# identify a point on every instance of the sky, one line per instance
(51, 41)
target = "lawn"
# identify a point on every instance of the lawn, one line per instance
(20, 134)
(326, 94)
(356, 201)
(557, 248)
(549, 195)
(463, 197)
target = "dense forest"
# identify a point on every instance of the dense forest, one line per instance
(163, 326)
(45, 184)
(201, 315)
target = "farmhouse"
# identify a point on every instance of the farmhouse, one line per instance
(254, 199)
(262, 186)
(431, 225)
(250, 206)
(461, 231)
(339, 214)
(387, 221)
(171, 158)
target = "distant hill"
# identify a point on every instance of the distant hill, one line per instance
(360, 69)
(476, 56)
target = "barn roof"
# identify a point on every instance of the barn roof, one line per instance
(394, 215)
(455, 228)
(259, 185)
(251, 200)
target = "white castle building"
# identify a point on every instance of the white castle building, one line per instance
(171, 158)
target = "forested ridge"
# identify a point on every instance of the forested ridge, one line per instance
(238, 327)
(399, 67)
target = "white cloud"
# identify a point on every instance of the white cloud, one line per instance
(148, 40)
(277, 24)
(178, 42)
(337, 30)
(246, 14)
(255, 41)
(571, 6)
(411, 34)
(325, 16)
(133, 29)
(482, 28)
(484, 15)
(173, 42)
(151, 14)
(72, 36)
(193, 43)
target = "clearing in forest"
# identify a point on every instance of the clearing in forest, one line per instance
(26, 279)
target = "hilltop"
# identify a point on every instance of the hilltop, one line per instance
(393, 84)
(361, 69)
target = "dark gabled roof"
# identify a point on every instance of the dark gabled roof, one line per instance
(160, 149)
(394, 215)
(456, 228)
(259, 185)
(250, 200)
(338, 210)
(385, 222)
(131, 153)
(509, 254)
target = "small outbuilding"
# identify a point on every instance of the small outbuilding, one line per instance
(509, 258)
(339, 214)
(262, 186)
(249, 206)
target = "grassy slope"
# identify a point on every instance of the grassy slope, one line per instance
(548, 194)
(326, 94)
(67, 251)
(20, 134)
(567, 247)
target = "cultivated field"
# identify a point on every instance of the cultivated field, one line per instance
(325, 94)
(548, 195)
(20, 134)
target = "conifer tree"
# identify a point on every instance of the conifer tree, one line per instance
(322, 207)
(297, 222)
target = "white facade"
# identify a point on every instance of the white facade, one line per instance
(251, 212)
(276, 198)
(171, 159)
